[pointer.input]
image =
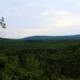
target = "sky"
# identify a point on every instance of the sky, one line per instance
(40, 17)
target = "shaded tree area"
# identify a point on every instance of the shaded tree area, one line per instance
(20, 62)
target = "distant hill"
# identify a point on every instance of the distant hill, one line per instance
(43, 38)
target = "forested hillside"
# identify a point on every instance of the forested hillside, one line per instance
(39, 60)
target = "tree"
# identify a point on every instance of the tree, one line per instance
(2, 22)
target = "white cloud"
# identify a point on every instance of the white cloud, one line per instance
(58, 22)
(71, 1)
(60, 18)
(37, 17)
(19, 33)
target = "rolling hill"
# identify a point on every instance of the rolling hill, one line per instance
(44, 38)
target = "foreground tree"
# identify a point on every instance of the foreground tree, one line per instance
(2, 22)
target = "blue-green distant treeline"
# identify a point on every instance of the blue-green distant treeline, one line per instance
(51, 38)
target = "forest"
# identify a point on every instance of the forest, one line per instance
(39, 60)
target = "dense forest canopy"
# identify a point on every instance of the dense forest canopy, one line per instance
(30, 60)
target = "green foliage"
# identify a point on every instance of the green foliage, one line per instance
(52, 60)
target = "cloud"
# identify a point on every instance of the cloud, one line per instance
(20, 33)
(71, 1)
(48, 22)
(37, 17)
(60, 18)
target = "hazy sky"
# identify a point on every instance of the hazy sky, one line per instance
(40, 17)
